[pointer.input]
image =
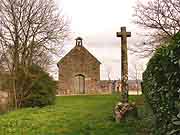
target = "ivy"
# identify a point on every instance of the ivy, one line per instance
(161, 86)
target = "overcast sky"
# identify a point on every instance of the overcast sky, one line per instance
(97, 22)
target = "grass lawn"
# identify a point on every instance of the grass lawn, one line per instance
(76, 115)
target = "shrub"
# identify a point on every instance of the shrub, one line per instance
(43, 89)
(161, 86)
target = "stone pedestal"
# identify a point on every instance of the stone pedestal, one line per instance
(125, 111)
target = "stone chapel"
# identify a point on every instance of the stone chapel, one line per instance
(79, 71)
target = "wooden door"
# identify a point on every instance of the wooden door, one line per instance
(79, 84)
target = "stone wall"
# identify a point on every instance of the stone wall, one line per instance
(78, 62)
(3, 101)
(108, 87)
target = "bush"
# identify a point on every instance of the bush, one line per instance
(43, 89)
(161, 86)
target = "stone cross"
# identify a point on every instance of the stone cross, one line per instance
(124, 63)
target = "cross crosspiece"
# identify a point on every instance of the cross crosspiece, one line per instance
(124, 63)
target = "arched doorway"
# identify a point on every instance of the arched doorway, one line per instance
(79, 84)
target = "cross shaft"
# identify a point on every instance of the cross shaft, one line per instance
(124, 63)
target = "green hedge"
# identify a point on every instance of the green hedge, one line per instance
(43, 90)
(161, 86)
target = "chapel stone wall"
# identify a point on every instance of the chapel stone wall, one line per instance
(78, 61)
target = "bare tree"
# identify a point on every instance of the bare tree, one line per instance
(136, 74)
(29, 31)
(108, 72)
(161, 21)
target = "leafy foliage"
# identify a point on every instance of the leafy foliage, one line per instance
(43, 89)
(161, 85)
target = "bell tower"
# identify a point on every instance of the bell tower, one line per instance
(79, 41)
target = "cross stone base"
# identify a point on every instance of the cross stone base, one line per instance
(125, 111)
